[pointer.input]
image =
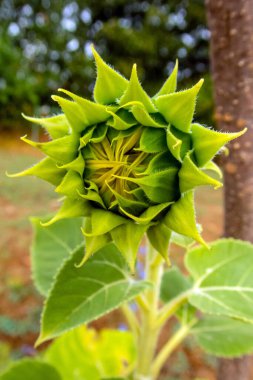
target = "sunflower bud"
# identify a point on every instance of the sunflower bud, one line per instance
(127, 162)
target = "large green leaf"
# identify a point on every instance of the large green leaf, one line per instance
(84, 354)
(51, 246)
(81, 295)
(223, 278)
(173, 283)
(223, 336)
(30, 369)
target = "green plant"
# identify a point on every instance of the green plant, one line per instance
(128, 165)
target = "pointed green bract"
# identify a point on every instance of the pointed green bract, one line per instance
(159, 237)
(212, 166)
(118, 123)
(93, 196)
(62, 150)
(77, 164)
(159, 187)
(207, 142)
(178, 107)
(99, 133)
(174, 144)
(46, 169)
(181, 217)
(86, 138)
(73, 112)
(101, 222)
(127, 239)
(56, 126)
(150, 214)
(71, 185)
(160, 162)
(171, 83)
(144, 118)
(135, 92)
(93, 245)
(109, 85)
(94, 112)
(190, 176)
(71, 208)
(153, 140)
(129, 206)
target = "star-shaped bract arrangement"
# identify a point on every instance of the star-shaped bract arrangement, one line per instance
(127, 162)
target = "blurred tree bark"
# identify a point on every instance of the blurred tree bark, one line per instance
(231, 26)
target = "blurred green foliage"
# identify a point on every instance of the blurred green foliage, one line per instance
(46, 44)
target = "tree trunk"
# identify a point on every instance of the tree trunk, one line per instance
(231, 26)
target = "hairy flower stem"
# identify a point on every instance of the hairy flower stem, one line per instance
(149, 331)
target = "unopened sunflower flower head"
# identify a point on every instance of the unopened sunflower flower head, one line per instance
(127, 162)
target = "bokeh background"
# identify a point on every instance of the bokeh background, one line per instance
(45, 45)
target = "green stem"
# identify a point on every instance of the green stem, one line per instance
(169, 347)
(169, 309)
(131, 319)
(149, 331)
